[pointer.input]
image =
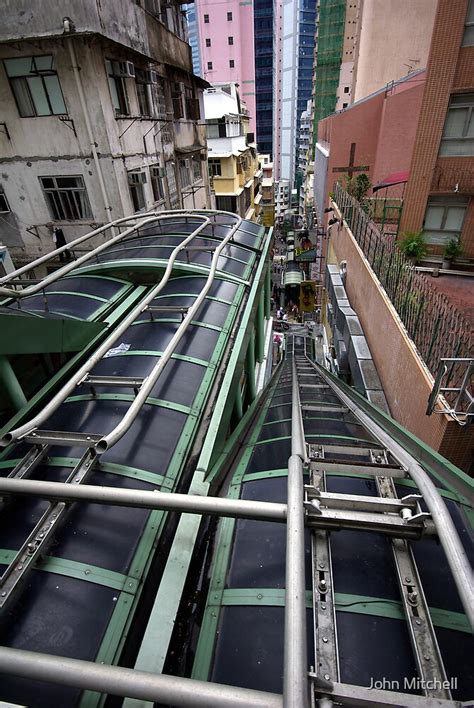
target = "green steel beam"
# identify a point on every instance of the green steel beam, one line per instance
(160, 402)
(268, 292)
(10, 385)
(250, 391)
(23, 334)
(260, 327)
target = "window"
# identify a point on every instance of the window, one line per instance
(66, 197)
(209, 65)
(172, 187)
(136, 181)
(165, 124)
(229, 17)
(156, 173)
(192, 104)
(458, 134)
(227, 204)
(208, 42)
(143, 92)
(197, 174)
(344, 105)
(214, 167)
(468, 38)
(4, 207)
(444, 218)
(35, 86)
(116, 72)
(230, 40)
(231, 63)
(177, 98)
(346, 89)
(206, 19)
(184, 175)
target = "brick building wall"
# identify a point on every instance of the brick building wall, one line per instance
(450, 70)
(405, 380)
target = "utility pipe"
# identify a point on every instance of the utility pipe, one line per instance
(72, 53)
(250, 370)
(119, 681)
(167, 501)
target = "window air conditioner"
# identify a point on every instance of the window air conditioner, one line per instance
(127, 68)
(151, 77)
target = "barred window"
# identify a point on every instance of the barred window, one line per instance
(66, 197)
(156, 175)
(214, 167)
(35, 86)
(143, 92)
(165, 125)
(184, 174)
(172, 187)
(197, 174)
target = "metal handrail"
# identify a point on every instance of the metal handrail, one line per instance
(33, 289)
(82, 372)
(124, 425)
(447, 534)
(295, 662)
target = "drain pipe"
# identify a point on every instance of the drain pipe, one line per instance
(68, 28)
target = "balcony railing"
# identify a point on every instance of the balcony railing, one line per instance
(435, 326)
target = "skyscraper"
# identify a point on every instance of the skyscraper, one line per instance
(263, 27)
(295, 26)
(226, 46)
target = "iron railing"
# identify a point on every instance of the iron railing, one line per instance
(433, 323)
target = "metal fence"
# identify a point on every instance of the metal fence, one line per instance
(436, 327)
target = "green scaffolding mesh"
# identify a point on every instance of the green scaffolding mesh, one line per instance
(329, 55)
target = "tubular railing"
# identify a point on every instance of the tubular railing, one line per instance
(150, 381)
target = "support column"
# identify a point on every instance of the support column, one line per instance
(260, 326)
(250, 370)
(268, 288)
(238, 404)
(11, 385)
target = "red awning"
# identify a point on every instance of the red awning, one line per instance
(394, 178)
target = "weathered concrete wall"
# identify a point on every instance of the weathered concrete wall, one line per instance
(406, 382)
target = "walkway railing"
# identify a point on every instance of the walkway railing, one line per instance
(436, 327)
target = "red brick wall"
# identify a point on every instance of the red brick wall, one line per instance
(404, 380)
(448, 70)
(398, 129)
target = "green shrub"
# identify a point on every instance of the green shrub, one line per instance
(413, 245)
(452, 249)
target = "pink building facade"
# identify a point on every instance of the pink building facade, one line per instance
(226, 46)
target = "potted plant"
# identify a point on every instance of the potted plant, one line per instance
(413, 245)
(451, 250)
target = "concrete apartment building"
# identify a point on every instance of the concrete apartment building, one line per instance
(226, 47)
(100, 118)
(234, 167)
(295, 24)
(420, 126)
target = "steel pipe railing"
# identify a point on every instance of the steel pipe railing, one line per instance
(165, 501)
(120, 681)
(119, 431)
(33, 289)
(295, 663)
(82, 372)
(447, 534)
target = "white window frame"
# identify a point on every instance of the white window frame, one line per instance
(63, 200)
(463, 144)
(215, 167)
(441, 236)
(47, 86)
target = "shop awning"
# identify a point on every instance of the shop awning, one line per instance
(390, 180)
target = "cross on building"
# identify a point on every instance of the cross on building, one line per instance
(351, 168)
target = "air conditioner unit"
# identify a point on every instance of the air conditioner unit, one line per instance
(127, 68)
(151, 77)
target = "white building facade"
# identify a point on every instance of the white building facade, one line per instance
(100, 119)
